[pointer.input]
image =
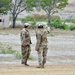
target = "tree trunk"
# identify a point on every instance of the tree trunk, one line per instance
(14, 22)
(49, 18)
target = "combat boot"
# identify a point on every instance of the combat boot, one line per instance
(26, 64)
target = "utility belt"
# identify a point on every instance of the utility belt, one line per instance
(25, 45)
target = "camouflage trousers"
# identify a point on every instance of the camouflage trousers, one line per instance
(25, 53)
(42, 53)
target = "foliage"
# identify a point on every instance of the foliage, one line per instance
(8, 50)
(26, 19)
(18, 54)
(39, 17)
(72, 27)
(33, 24)
(19, 6)
(52, 6)
(35, 17)
(31, 57)
(5, 6)
(64, 26)
(70, 20)
(54, 17)
(56, 23)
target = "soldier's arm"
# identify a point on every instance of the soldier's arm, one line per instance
(38, 41)
(30, 39)
(23, 35)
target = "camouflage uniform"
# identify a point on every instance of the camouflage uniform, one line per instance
(25, 37)
(41, 45)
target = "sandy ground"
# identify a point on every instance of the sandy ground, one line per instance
(68, 38)
(60, 69)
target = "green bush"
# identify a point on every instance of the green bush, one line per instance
(26, 19)
(18, 54)
(54, 18)
(56, 23)
(64, 26)
(35, 17)
(7, 50)
(72, 27)
(70, 20)
(33, 24)
(31, 57)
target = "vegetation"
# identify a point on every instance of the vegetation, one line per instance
(56, 22)
(35, 18)
(70, 20)
(72, 27)
(52, 6)
(5, 6)
(49, 6)
(8, 50)
(19, 6)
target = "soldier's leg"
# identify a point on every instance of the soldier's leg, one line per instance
(44, 55)
(39, 58)
(24, 54)
(22, 50)
(29, 50)
(28, 54)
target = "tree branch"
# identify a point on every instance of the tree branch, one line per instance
(20, 11)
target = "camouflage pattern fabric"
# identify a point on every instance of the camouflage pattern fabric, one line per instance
(41, 44)
(25, 39)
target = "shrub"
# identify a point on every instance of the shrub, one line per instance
(18, 54)
(31, 57)
(28, 18)
(70, 20)
(72, 27)
(54, 18)
(64, 26)
(56, 23)
(7, 50)
(33, 24)
(36, 16)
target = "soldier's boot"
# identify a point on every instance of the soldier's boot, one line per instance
(42, 65)
(26, 63)
(22, 62)
(39, 66)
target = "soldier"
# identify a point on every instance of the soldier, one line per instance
(25, 44)
(41, 45)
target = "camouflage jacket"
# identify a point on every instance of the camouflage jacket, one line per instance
(41, 36)
(25, 37)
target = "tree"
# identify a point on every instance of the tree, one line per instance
(5, 6)
(19, 6)
(51, 6)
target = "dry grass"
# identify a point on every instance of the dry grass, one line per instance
(10, 31)
(55, 32)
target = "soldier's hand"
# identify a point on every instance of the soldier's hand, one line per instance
(37, 49)
(30, 42)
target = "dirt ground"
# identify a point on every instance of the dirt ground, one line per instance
(50, 69)
(59, 69)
